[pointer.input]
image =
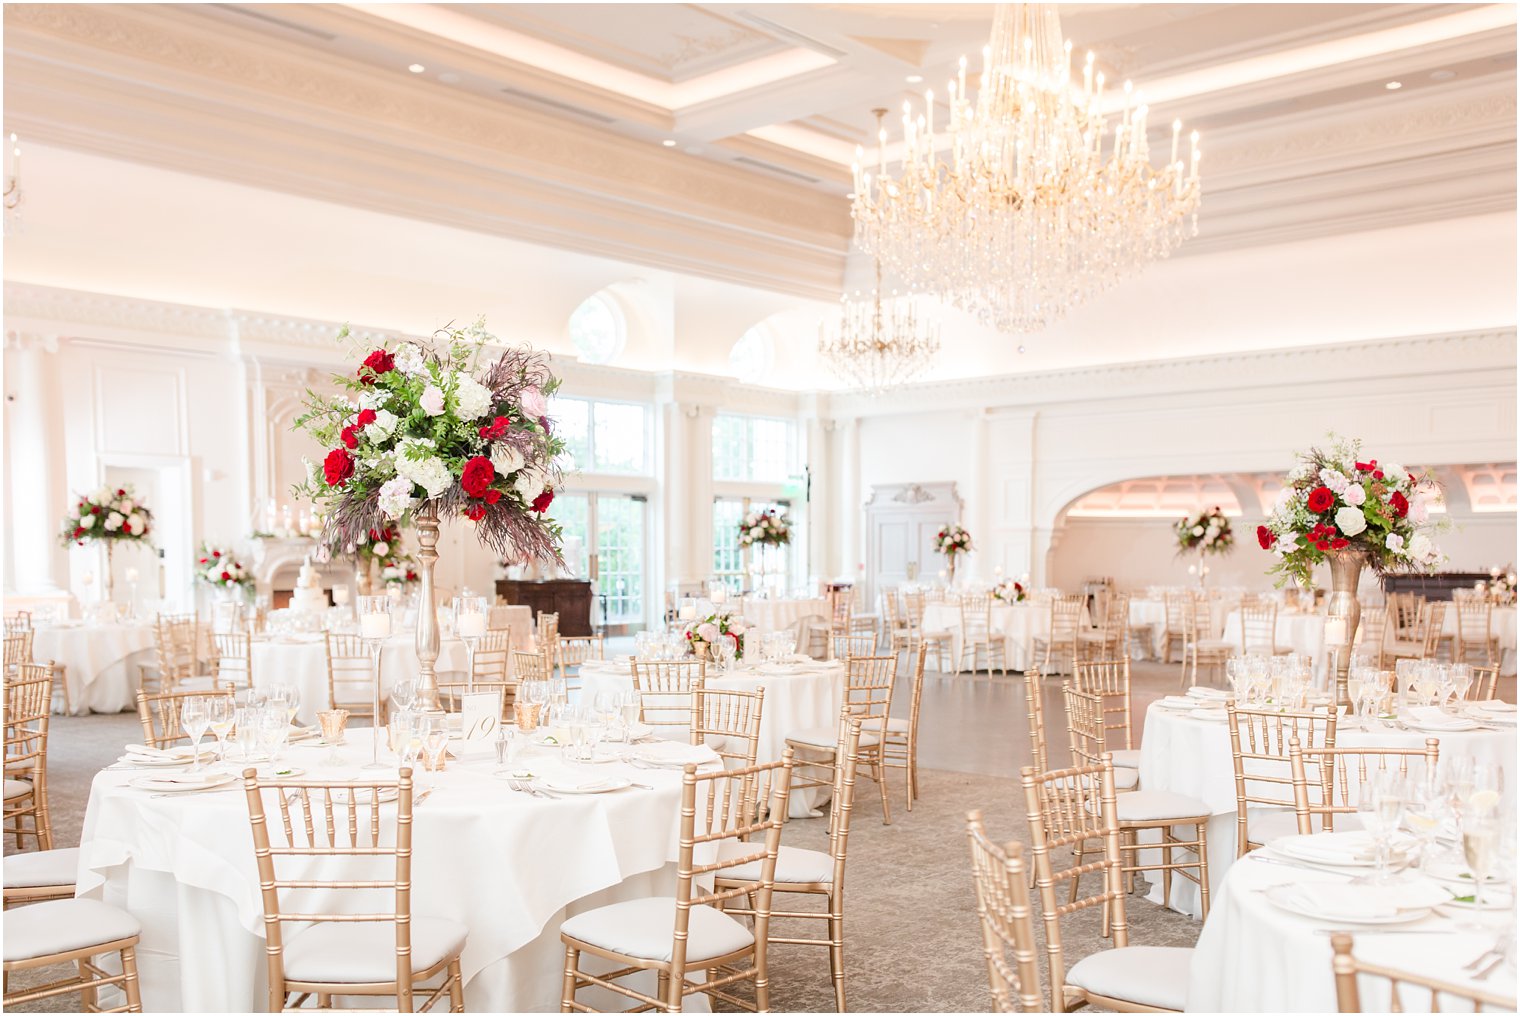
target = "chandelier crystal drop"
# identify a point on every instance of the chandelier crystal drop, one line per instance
(879, 343)
(1034, 197)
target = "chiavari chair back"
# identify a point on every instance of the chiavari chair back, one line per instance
(1258, 628)
(1109, 680)
(667, 692)
(728, 721)
(492, 654)
(1110, 638)
(177, 642)
(1065, 620)
(1007, 920)
(1201, 648)
(530, 666)
(351, 676)
(233, 653)
(846, 647)
(577, 649)
(1404, 613)
(548, 635)
(28, 708)
(18, 621)
(322, 835)
(901, 749)
(1485, 683)
(978, 638)
(1175, 632)
(1034, 702)
(913, 616)
(1330, 781)
(841, 606)
(1440, 996)
(18, 649)
(1372, 634)
(723, 825)
(868, 698)
(1259, 749)
(159, 713)
(1475, 642)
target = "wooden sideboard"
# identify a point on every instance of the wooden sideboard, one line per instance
(1432, 587)
(570, 598)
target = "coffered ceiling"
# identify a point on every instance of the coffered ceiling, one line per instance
(715, 139)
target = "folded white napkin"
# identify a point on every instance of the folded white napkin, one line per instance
(1342, 901)
(1329, 848)
(674, 754)
(1432, 718)
(1177, 702)
(192, 779)
(576, 782)
(1214, 694)
(1496, 706)
(184, 752)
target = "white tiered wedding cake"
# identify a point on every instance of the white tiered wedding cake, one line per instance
(309, 597)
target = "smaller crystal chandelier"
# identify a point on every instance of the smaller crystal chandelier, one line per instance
(879, 343)
(12, 184)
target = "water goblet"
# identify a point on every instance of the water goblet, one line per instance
(273, 729)
(194, 719)
(1380, 806)
(1461, 681)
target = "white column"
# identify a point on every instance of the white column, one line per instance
(823, 493)
(851, 552)
(34, 438)
(979, 520)
(698, 536)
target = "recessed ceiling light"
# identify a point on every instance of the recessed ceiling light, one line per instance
(914, 79)
(1442, 75)
(1394, 86)
(669, 142)
(416, 68)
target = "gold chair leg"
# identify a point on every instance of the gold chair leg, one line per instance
(1203, 870)
(836, 956)
(567, 992)
(456, 986)
(129, 985)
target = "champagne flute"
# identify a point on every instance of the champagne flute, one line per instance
(194, 719)
(221, 716)
(1380, 805)
(1480, 846)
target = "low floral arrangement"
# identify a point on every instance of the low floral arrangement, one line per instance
(1335, 501)
(1208, 532)
(1009, 591)
(218, 567)
(708, 630)
(399, 570)
(767, 528)
(111, 513)
(429, 424)
(952, 540)
(1501, 585)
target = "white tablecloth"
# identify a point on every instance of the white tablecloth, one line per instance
(99, 662)
(1192, 756)
(301, 660)
(1149, 612)
(782, 615)
(509, 866)
(797, 697)
(1254, 957)
(1018, 623)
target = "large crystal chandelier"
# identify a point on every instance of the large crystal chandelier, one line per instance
(1033, 206)
(880, 342)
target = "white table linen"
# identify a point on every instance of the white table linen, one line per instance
(798, 696)
(99, 661)
(782, 615)
(1255, 957)
(1188, 755)
(301, 660)
(508, 866)
(1019, 624)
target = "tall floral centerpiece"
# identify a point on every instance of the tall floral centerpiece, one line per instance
(109, 516)
(1009, 591)
(1206, 533)
(219, 568)
(768, 528)
(376, 550)
(952, 541)
(1350, 513)
(429, 430)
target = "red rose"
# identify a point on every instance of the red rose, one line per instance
(493, 495)
(495, 429)
(349, 438)
(542, 502)
(226, 576)
(1323, 545)
(1340, 544)
(377, 363)
(126, 527)
(1400, 504)
(477, 476)
(216, 553)
(475, 512)
(120, 492)
(78, 531)
(1320, 499)
(1377, 474)
(1265, 538)
(95, 510)
(337, 467)
(365, 418)
(204, 561)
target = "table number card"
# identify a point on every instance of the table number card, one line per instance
(480, 712)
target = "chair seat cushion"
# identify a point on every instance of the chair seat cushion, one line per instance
(897, 725)
(365, 953)
(793, 864)
(62, 926)
(1156, 805)
(1215, 645)
(37, 868)
(827, 737)
(17, 788)
(1126, 779)
(644, 929)
(1126, 758)
(1155, 976)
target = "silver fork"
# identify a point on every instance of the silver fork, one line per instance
(523, 787)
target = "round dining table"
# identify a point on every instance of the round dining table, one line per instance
(301, 660)
(1019, 624)
(508, 865)
(1253, 956)
(1188, 752)
(767, 615)
(99, 661)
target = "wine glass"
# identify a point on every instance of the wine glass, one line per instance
(273, 728)
(1480, 846)
(1426, 809)
(404, 695)
(1380, 806)
(1461, 682)
(194, 718)
(220, 716)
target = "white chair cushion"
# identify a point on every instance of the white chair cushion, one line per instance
(1155, 976)
(828, 737)
(16, 788)
(1156, 805)
(793, 864)
(644, 930)
(1126, 758)
(37, 868)
(896, 725)
(1126, 779)
(1216, 645)
(356, 953)
(62, 926)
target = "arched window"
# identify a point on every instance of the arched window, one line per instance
(597, 329)
(751, 357)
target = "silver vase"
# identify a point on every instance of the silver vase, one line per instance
(1345, 575)
(427, 609)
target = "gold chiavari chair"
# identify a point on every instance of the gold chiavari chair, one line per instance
(376, 948)
(901, 748)
(1372, 634)
(728, 721)
(868, 696)
(577, 649)
(1403, 614)
(895, 625)
(18, 621)
(978, 637)
(1422, 637)
(1174, 635)
(1007, 920)
(177, 644)
(1350, 973)
(688, 933)
(1141, 811)
(28, 707)
(846, 647)
(1071, 808)
(1475, 641)
(1109, 680)
(667, 692)
(1485, 683)
(1259, 743)
(72, 932)
(1110, 639)
(547, 636)
(816, 872)
(38, 875)
(159, 715)
(492, 654)
(1258, 629)
(1330, 781)
(1061, 641)
(18, 649)
(1034, 703)
(940, 639)
(1201, 649)
(351, 677)
(863, 622)
(530, 666)
(233, 653)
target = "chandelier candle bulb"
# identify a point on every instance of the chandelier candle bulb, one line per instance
(1176, 136)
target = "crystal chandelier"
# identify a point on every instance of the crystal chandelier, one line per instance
(1033, 207)
(879, 343)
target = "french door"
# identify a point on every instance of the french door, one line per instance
(606, 541)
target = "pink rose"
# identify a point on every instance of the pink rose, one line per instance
(533, 403)
(708, 632)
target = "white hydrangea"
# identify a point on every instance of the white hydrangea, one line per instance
(114, 521)
(396, 497)
(371, 399)
(409, 360)
(529, 484)
(382, 426)
(1334, 479)
(507, 459)
(1419, 509)
(1350, 521)
(472, 400)
(1354, 495)
(1420, 548)
(1395, 543)
(1395, 474)
(138, 523)
(86, 521)
(430, 473)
